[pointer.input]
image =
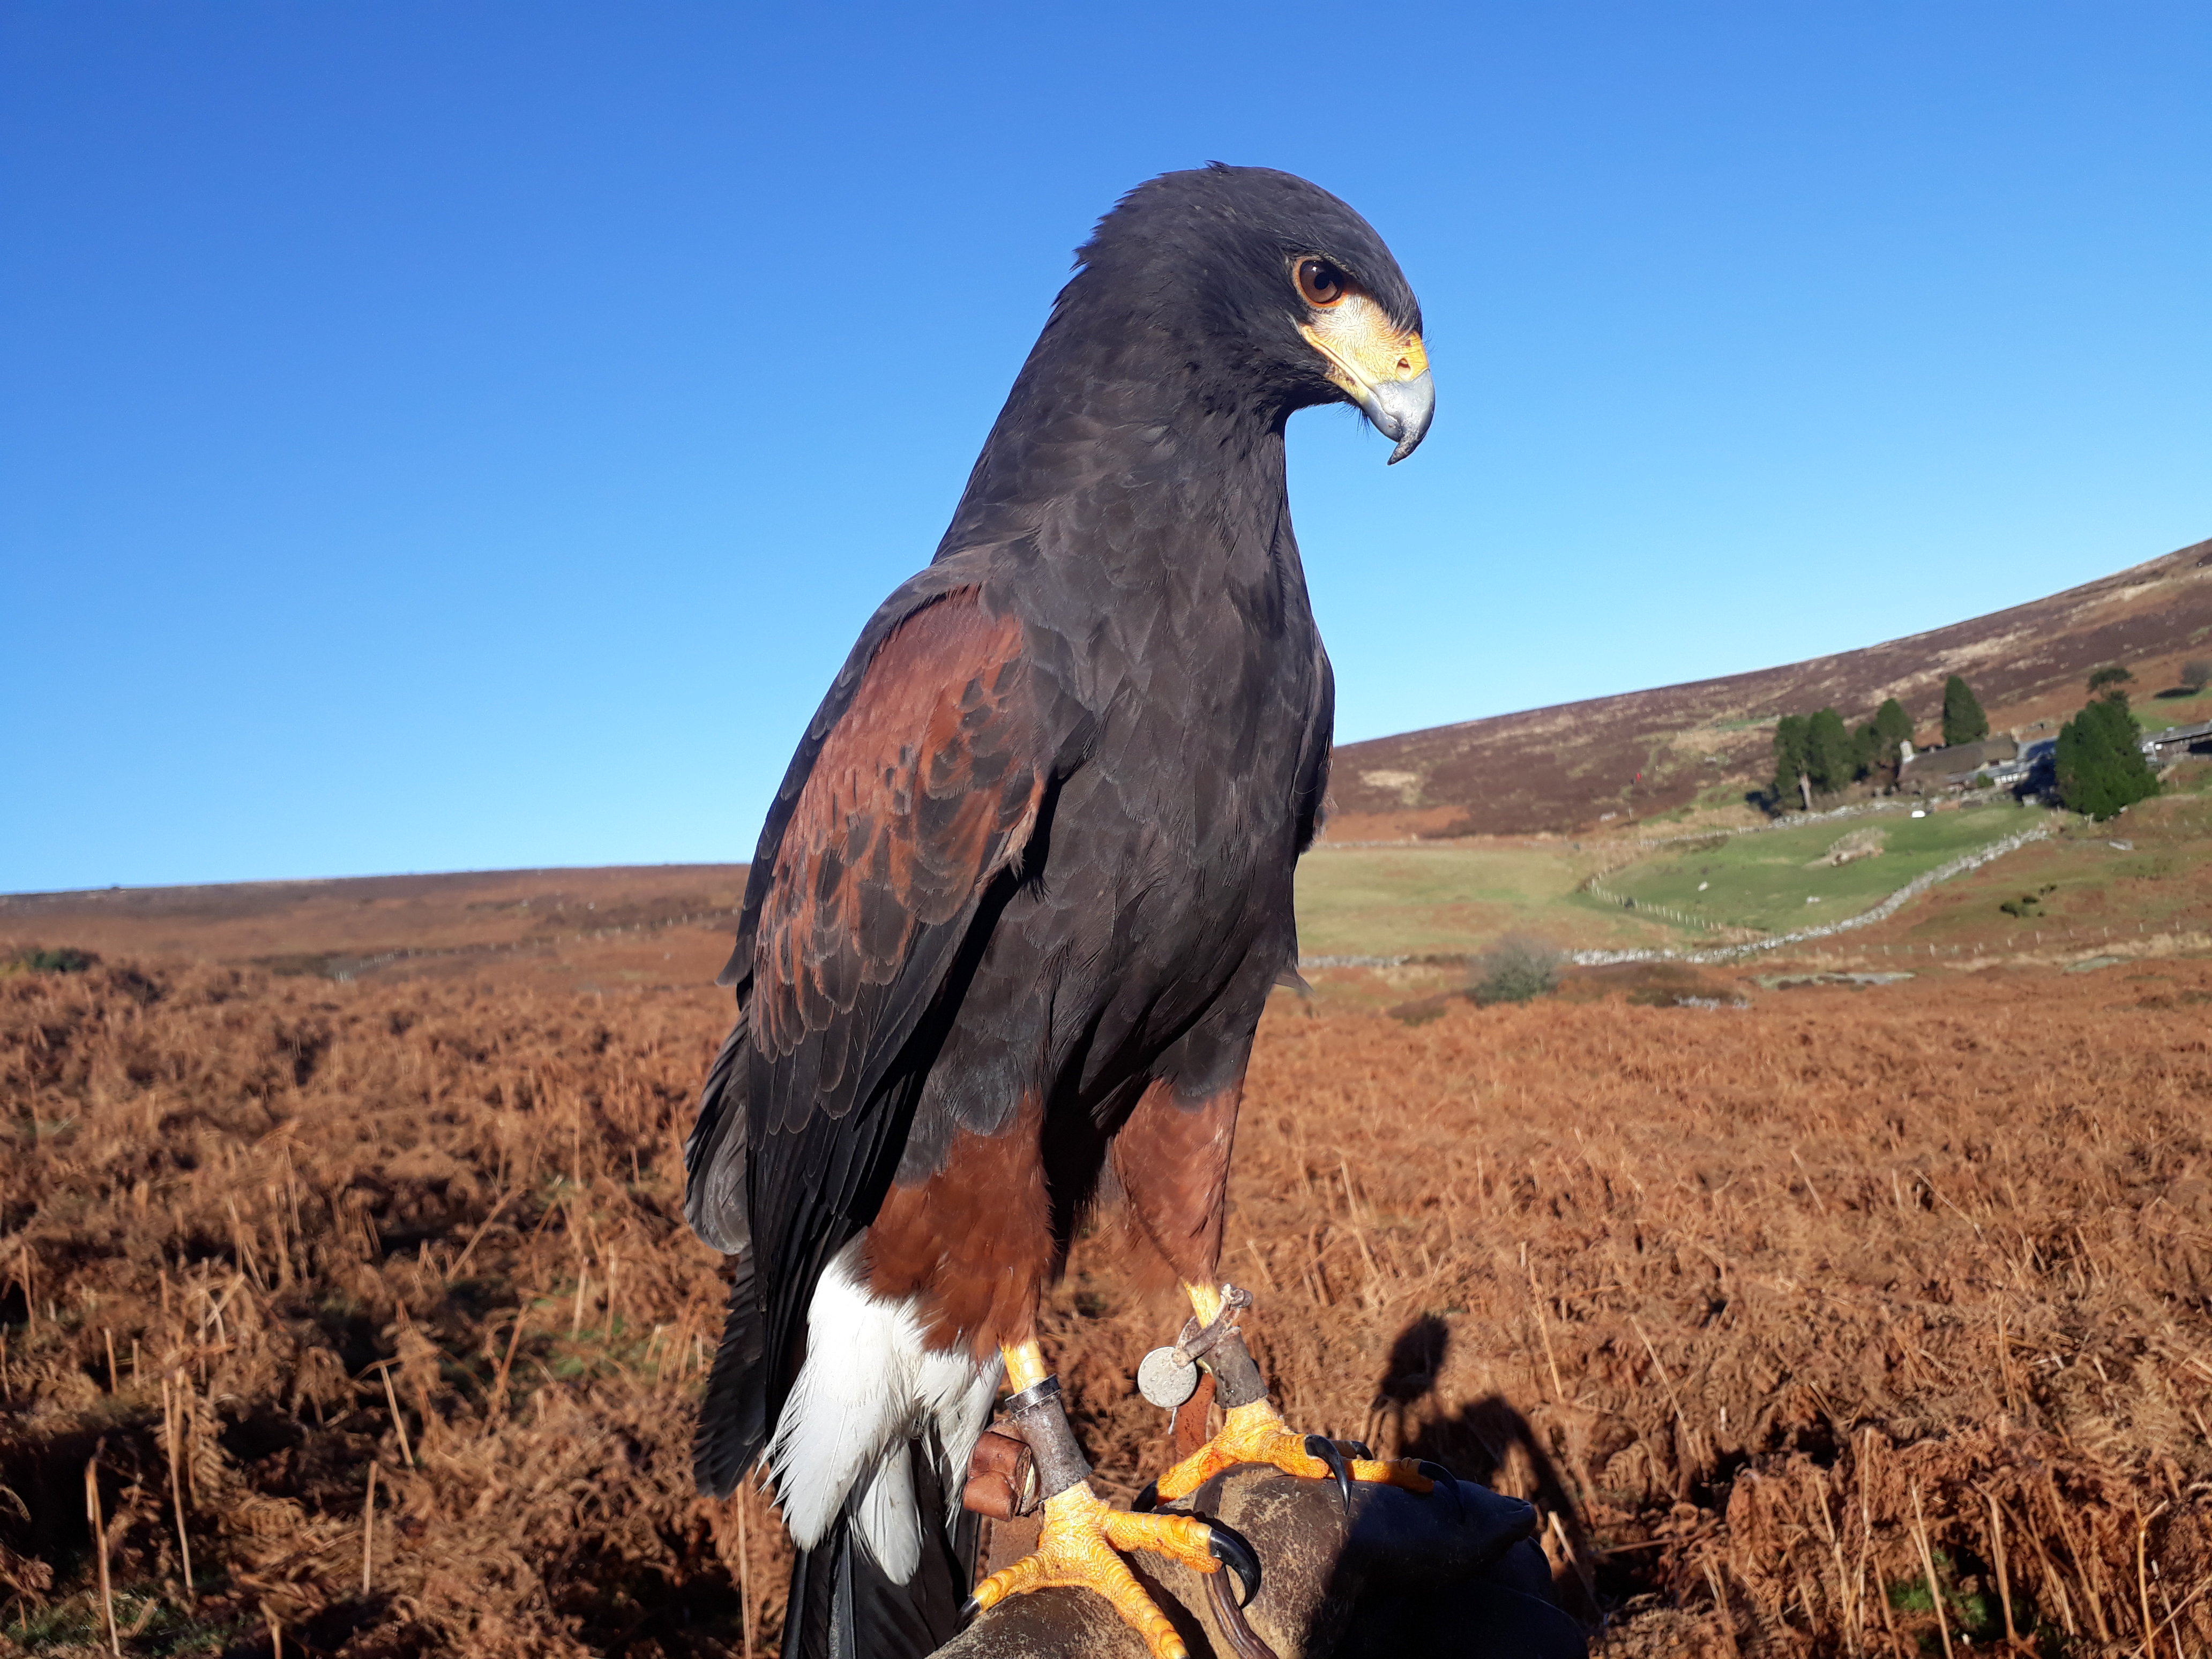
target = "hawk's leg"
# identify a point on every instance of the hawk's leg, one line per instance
(1252, 1431)
(1082, 1537)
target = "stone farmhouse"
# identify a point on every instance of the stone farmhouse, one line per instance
(2007, 764)
(1931, 771)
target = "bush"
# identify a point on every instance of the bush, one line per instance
(1517, 969)
(2028, 907)
(64, 959)
(2196, 674)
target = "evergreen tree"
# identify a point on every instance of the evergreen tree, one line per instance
(2099, 761)
(1963, 720)
(1831, 759)
(2112, 674)
(1882, 744)
(1866, 744)
(1895, 726)
(1789, 778)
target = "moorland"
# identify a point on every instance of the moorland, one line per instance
(1842, 1300)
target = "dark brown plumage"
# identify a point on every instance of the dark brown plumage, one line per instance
(1024, 892)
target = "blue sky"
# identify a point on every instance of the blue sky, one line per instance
(468, 436)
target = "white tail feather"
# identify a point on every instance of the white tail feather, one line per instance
(870, 1385)
(886, 1516)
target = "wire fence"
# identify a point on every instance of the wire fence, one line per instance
(1598, 890)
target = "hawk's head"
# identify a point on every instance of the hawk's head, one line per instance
(1270, 288)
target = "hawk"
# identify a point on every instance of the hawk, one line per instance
(1017, 908)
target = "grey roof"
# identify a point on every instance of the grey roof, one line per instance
(2183, 735)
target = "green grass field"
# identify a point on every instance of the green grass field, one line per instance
(1764, 881)
(1386, 901)
(2152, 867)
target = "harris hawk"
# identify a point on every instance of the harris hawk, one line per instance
(1017, 907)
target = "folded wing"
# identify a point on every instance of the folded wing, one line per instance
(917, 788)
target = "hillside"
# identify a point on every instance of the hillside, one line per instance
(1572, 766)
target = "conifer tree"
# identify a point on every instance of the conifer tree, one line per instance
(1789, 778)
(1883, 742)
(2099, 761)
(1963, 720)
(1831, 759)
(1894, 725)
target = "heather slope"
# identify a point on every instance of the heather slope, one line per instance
(1572, 766)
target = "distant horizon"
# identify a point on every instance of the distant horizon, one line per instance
(372, 875)
(740, 863)
(444, 437)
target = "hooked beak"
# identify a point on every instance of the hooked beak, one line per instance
(1385, 371)
(1401, 411)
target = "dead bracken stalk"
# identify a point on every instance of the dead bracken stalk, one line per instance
(398, 1422)
(2142, 1584)
(100, 1550)
(172, 1424)
(1928, 1566)
(369, 1532)
(744, 1579)
(1544, 1331)
(1722, 1613)
(1819, 1204)
(2004, 1575)
(453, 1268)
(507, 1362)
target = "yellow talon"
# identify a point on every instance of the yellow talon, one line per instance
(1076, 1549)
(1255, 1434)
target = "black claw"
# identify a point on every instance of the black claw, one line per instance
(969, 1608)
(1230, 1549)
(1148, 1500)
(1360, 1449)
(1445, 1480)
(1325, 1448)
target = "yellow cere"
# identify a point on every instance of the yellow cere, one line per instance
(1363, 346)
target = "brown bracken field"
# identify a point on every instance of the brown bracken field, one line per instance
(1823, 1319)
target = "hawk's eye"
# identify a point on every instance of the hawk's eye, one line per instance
(1320, 283)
